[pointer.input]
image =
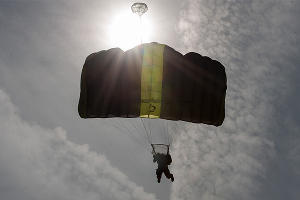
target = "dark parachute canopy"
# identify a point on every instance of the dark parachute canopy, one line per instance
(153, 81)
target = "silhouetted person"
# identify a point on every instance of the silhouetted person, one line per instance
(163, 161)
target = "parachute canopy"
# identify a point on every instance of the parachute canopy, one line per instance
(139, 8)
(153, 80)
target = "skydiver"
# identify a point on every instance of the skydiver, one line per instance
(163, 161)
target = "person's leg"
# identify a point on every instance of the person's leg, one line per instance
(158, 174)
(172, 177)
(168, 174)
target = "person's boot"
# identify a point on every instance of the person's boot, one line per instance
(172, 178)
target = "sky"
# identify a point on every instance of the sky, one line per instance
(48, 152)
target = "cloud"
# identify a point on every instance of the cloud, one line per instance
(258, 42)
(217, 165)
(255, 41)
(43, 47)
(39, 163)
(294, 151)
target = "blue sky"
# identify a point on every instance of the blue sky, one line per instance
(48, 152)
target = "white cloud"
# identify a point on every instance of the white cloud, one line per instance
(39, 163)
(255, 41)
(215, 165)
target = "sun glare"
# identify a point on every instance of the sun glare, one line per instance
(127, 31)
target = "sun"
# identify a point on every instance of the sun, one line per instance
(127, 31)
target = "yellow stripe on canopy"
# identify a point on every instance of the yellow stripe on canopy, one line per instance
(151, 80)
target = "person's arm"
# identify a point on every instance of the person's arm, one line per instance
(169, 159)
(154, 158)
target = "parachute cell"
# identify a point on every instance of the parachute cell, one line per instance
(153, 80)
